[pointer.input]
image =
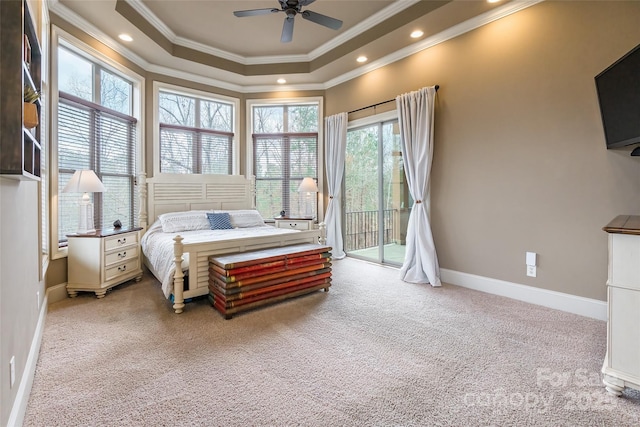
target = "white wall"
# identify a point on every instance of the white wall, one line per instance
(19, 283)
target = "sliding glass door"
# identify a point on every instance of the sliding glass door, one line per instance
(376, 195)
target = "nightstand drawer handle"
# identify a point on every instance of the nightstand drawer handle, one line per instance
(292, 225)
(122, 268)
(122, 255)
(122, 241)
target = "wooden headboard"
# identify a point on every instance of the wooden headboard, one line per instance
(177, 192)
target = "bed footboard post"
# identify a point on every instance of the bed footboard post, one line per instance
(178, 278)
(323, 233)
(142, 191)
(252, 180)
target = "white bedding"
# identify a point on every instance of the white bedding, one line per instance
(157, 247)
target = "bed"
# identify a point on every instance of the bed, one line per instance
(182, 249)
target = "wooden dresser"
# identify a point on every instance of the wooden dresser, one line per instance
(622, 362)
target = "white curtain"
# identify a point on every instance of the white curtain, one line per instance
(336, 135)
(415, 119)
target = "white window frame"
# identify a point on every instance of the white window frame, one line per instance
(320, 145)
(63, 38)
(44, 193)
(376, 118)
(207, 96)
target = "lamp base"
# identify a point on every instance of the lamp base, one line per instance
(308, 206)
(85, 218)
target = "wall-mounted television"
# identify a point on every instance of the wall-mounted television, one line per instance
(618, 90)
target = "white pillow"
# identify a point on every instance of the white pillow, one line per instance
(174, 222)
(245, 218)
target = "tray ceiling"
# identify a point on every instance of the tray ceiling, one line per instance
(204, 40)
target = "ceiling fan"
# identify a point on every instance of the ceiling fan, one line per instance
(292, 8)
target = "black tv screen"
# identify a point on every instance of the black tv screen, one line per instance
(618, 90)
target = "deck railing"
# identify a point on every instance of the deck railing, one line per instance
(361, 229)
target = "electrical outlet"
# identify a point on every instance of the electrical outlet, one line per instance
(531, 270)
(12, 372)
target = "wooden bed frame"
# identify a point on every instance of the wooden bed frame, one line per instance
(175, 193)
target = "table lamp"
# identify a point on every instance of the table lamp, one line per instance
(85, 181)
(308, 186)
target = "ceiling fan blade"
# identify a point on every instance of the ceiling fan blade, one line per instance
(287, 30)
(303, 3)
(255, 12)
(321, 19)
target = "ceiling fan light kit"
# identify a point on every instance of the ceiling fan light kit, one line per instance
(292, 8)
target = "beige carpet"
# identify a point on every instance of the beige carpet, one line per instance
(374, 351)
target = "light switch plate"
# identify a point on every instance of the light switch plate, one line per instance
(532, 258)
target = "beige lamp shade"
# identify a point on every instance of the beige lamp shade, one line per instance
(308, 185)
(84, 181)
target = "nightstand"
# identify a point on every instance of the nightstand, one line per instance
(295, 223)
(99, 261)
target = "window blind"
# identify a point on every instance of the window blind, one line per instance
(194, 150)
(196, 134)
(280, 162)
(94, 137)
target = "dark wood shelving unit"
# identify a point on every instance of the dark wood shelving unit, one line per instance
(20, 66)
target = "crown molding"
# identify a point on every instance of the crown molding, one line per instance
(168, 33)
(197, 78)
(368, 23)
(449, 33)
(79, 22)
(459, 29)
(151, 17)
(243, 60)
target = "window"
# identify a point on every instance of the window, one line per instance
(376, 196)
(95, 130)
(285, 150)
(196, 134)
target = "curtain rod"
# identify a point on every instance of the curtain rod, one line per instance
(380, 103)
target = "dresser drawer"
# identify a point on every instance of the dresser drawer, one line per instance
(121, 255)
(120, 241)
(121, 269)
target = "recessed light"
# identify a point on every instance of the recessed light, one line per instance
(125, 37)
(416, 34)
(493, 1)
(362, 59)
(281, 81)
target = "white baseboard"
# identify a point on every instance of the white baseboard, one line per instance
(587, 307)
(16, 417)
(57, 293)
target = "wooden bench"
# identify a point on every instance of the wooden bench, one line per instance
(247, 280)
